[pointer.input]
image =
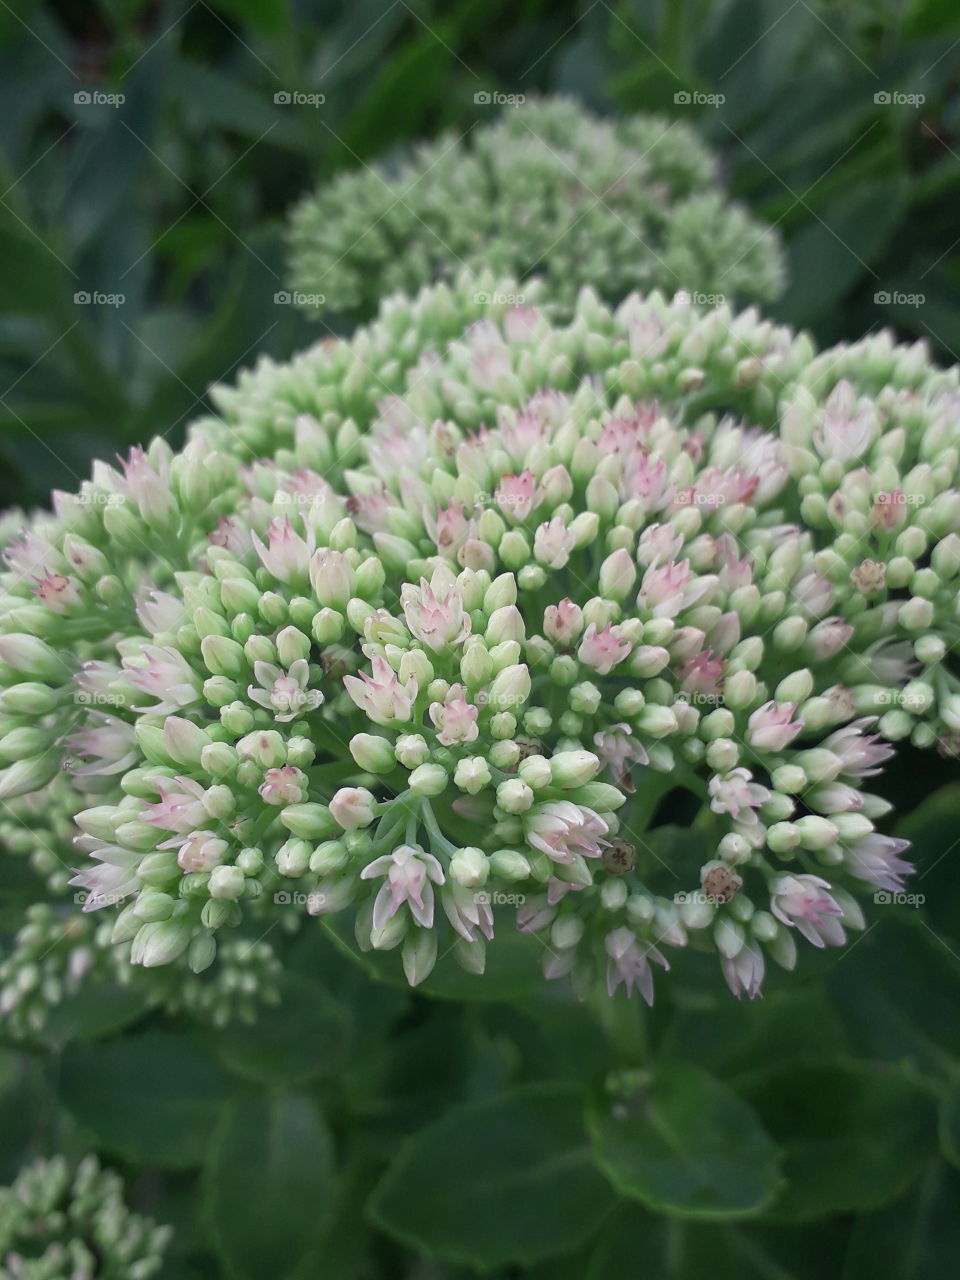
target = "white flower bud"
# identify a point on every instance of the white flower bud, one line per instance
(469, 867)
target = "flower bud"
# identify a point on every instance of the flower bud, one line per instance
(573, 768)
(428, 780)
(472, 775)
(514, 796)
(373, 753)
(507, 864)
(353, 807)
(469, 867)
(226, 883)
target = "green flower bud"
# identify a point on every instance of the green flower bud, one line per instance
(373, 753)
(573, 768)
(508, 864)
(472, 775)
(428, 780)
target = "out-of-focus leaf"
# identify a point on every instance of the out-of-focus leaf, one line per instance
(505, 1180)
(686, 1250)
(152, 1098)
(270, 1186)
(683, 1143)
(854, 1137)
(918, 1238)
(896, 988)
(303, 1036)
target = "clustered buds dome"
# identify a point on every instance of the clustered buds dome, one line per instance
(547, 189)
(432, 628)
(63, 1223)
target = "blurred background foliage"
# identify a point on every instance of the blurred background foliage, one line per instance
(176, 198)
(332, 1151)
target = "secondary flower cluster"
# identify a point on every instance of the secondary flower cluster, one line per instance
(58, 1223)
(446, 617)
(547, 189)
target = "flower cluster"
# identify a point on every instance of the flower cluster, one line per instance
(58, 1223)
(547, 190)
(441, 621)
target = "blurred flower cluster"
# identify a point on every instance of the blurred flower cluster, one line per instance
(547, 189)
(61, 1223)
(435, 625)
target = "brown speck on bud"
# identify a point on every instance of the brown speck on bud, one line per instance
(721, 883)
(528, 747)
(869, 576)
(619, 857)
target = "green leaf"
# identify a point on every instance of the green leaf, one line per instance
(267, 16)
(683, 1143)
(269, 1187)
(98, 1009)
(682, 1249)
(932, 830)
(918, 1238)
(303, 1036)
(839, 246)
(897, 990)
(152, 1098)
(853, 1136)
(949, 1127)
(729, 1036)
(505, 1180)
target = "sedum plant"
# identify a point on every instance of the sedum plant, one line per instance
(434, 630)
(63, 1223)
(547, 189)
